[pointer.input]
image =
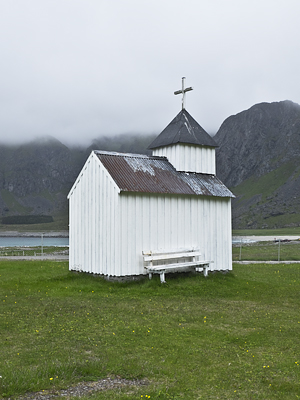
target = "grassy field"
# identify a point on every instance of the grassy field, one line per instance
(60, 223)
(233, 336)
(266, 251)
(267, 232)
(32, 251)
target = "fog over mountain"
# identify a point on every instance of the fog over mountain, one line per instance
(80, 69)
(257, 158)
(35, 177)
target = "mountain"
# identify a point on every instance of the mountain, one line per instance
(258, 159)
(130, 143)
(36, 177)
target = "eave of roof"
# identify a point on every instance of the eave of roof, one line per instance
(152, 174)
(183, 129)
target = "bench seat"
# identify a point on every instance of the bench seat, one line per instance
(178, 266)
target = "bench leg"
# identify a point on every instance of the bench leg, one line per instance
(205, 270)
(162, 277)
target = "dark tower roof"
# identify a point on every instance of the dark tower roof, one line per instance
(183, 129)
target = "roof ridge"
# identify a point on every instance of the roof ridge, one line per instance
(131, 155)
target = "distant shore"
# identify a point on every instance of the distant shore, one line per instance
(58, 234)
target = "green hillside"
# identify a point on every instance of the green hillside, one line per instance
(264, 202)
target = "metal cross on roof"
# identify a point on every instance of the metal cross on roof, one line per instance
(183, 91)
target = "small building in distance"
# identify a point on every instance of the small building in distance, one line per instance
(124, 204)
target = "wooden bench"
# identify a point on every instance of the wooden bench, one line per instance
(173, 262)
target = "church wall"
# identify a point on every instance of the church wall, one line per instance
(174, 222)
(94, 220)
(189, 158)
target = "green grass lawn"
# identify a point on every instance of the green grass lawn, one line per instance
(60, 223)
(234, 336)
(34, 250)
(294, 231)
(267, 251)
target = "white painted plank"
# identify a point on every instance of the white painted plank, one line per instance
(171, 256)
(178, 266)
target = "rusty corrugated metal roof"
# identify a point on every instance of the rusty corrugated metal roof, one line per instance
(152, 174)
(206, 184)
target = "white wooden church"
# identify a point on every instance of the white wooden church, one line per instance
(123, 206)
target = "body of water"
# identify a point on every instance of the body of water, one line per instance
(33, 241)
(24, 241)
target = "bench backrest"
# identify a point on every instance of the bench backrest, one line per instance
(168, 255)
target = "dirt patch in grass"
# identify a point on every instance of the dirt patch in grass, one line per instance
(83, 389)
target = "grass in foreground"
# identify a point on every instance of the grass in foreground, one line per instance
(233, 336)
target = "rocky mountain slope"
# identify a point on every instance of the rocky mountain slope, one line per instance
(36, 177)
(258, 158)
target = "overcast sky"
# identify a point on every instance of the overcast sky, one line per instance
(80, 69)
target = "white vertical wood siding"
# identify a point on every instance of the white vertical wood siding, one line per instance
(109, 230)
(94, 221)
(174, 222)
(189, 158)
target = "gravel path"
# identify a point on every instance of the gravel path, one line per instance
(83, 389)
(264, 238)
(266, 262)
